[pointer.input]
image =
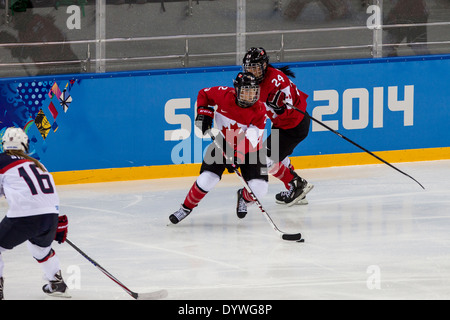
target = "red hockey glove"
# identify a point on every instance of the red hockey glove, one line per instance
(275, 100)
(204, 119)
(61, 232)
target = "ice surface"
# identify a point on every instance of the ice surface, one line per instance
(371, 233)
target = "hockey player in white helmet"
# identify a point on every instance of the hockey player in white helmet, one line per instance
(33, 210)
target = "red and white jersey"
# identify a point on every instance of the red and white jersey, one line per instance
(28, 190)
(242, 127)
(275, 80)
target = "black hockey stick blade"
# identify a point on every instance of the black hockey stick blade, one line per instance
(354, 143)
(292, 237)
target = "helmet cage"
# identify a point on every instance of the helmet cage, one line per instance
(256, 61)
(257, 68)
(247, 95)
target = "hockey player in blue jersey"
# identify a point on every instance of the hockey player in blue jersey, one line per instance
(33, 210)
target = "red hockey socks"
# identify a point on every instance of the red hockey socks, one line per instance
(247, 196)
(194, 196)
(283, 173)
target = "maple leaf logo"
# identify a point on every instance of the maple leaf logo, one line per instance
(235, 127)
(233, 133)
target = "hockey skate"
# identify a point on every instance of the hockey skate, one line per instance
(296, 194)
(179, 215)
(57, 287)
(241, 205)
(1, 289)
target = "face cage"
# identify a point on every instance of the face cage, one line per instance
(256, 69)
(247, 96)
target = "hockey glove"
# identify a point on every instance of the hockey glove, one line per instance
(61, 232)
(204, 119)
(275, 100)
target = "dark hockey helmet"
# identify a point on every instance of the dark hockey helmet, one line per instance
(247, 89)
(256, 61)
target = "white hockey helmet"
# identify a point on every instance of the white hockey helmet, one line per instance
(15, 139)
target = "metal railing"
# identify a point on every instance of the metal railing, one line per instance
(185, 55)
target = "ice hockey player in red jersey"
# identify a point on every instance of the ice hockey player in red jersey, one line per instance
(33, 210)
(291, 125)
(241, 118)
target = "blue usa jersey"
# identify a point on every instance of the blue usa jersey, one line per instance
(28, 190)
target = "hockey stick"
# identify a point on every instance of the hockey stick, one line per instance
(354, 143)
(160, 294)
(285, 236)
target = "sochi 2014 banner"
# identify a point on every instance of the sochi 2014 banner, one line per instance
(146, 118)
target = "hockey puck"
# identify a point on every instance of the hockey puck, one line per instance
(301, 240)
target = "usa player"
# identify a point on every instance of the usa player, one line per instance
(241, 119)
(292, 126)
(33, 213)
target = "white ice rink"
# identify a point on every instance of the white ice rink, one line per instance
(371, 233)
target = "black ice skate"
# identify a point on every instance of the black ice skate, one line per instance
(299, 187)
(57, 287)
(179, 215)
(241, 205)
(1, 289)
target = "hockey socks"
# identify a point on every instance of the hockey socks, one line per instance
(247, 196)
(283, 173)
(194, 196)
(204, 183)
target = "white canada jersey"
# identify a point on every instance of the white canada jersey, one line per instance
(28, 190)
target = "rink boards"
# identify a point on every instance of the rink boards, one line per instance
(140, 125)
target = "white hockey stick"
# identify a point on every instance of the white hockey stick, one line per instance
(160, 294)
(285, 236)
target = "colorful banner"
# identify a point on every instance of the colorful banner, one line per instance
(146, 118)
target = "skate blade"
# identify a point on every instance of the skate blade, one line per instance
(302, 202)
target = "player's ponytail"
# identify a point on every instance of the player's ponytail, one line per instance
(22, 154)
(286, 70)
